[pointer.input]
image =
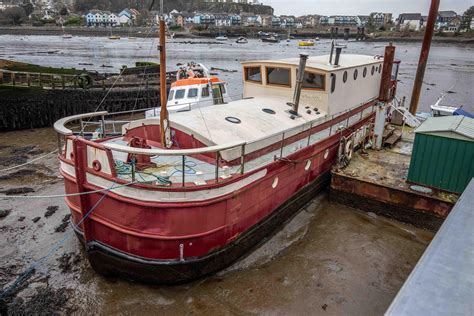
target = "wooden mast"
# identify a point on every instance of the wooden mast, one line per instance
(163, 97)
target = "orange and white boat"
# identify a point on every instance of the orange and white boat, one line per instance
(194, 87)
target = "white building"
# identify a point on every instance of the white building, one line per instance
(410, 21)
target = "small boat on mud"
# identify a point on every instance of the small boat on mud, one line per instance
(306, 43)
(114, 37)
(194, 87)
(270, 39)
(222, 38)
(437, 110)
(242, 40)
(179, 196)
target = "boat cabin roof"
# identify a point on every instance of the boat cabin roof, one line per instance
(195, 81)
(243, 120)
(322, 62)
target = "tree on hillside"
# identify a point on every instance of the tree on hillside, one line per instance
(12, 16)
(470, 12)
(28, 7)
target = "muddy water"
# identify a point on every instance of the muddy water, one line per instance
(328, 259)
(450, 66)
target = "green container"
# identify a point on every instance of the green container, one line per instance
(443, 153)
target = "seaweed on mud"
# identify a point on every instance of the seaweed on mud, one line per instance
(13, 160)
(18, 174)
(68, 261)
(46, 301)
(51, 210)
(61, 228)
(5, 213)
(15, 191)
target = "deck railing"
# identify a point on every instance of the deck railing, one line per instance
(313, 136)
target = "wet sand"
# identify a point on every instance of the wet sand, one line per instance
(329, 259)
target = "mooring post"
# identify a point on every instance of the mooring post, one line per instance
(425, 51)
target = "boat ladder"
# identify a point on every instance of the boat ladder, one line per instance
(409, 118)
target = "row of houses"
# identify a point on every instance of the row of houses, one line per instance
(106, 18)
(447, 21)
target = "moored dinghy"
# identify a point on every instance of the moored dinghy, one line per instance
(187, 195)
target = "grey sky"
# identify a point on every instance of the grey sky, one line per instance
(362, 7)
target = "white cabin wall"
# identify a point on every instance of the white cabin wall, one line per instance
(313, 98)
(353, 92)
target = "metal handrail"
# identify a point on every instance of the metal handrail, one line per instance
(63, 130)
(171, 152)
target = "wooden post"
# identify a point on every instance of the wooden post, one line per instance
(1, 77)
(52, 81)
(28, 79)
(13, 78)
(40, 80)
(164, 111)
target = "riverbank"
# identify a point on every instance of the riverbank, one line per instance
(146, 32)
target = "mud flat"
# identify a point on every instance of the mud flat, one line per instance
(327, 259)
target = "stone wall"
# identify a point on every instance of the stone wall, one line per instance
(34, 108)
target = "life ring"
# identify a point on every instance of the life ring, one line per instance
(349, 149)
(85, 81)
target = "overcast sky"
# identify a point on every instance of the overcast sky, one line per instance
(362, 7)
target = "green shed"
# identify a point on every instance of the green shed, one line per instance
(443, 153)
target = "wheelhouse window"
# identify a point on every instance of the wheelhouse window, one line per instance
(278, 76)
(193, 93)
(253, 74)
(313, 80)
(205, 92)
(180, 94)
(170, 97)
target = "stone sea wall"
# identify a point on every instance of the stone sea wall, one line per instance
(24, 109)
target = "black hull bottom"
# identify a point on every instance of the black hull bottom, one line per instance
(112, 263)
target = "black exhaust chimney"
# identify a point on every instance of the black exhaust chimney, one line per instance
(332, 52)
(338, 54)
(299, 83)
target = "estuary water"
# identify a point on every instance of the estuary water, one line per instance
(450, 67)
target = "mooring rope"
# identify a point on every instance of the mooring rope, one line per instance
(29, 162)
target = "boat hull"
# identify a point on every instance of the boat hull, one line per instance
(111, 262)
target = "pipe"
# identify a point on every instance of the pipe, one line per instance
(425, 51)
(163, 97)
(332, 52)
(299, 83)
(338, 55)
(385, 83)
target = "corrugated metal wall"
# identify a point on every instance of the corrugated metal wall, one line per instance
(441, 162)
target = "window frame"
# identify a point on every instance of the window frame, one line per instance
(315, 73)
(184, 94)
(208, 92)
(246, 68)
(194, 97)
(278, 84)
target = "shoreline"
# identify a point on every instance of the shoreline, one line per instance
(144, 32)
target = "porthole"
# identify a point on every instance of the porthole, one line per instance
(380, 68)
(308, 165)
(356, 73)
(344, 77)
(373, 70)
(96, 165)
(233, 119)
(275, 183)
(269, 111)
(364, 73)
(326, 154)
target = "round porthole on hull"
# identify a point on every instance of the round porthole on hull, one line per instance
(275, 183)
